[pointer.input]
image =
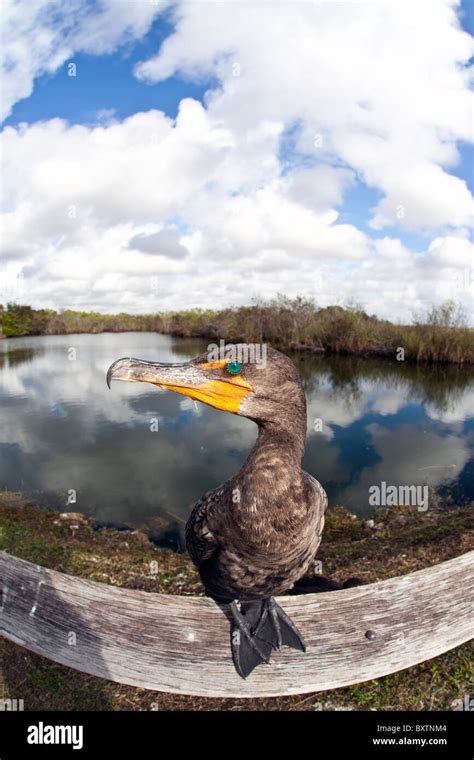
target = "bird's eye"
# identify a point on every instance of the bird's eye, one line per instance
(234, 368)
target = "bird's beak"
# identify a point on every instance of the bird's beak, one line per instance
(188, 379)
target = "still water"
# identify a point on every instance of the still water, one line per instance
(62, 429)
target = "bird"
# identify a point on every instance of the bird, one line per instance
(255, 536)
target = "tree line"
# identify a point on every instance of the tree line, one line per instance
(438, 335)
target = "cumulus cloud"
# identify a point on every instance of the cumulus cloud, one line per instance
(384, 90)
(163, 243)
(319, 186)
(244, 194)
(99, 193)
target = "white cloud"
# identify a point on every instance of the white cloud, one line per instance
(457, 410)
(455, 252)
(39, 36)
(165, 242)
(385, 88)
(319, 186)
(243, 195)
(101, 197)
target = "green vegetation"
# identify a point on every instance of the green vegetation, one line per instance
(400, 541)
(438, 336)
(18, 321)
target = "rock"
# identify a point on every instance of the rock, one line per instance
(75, 516)
(399, 521)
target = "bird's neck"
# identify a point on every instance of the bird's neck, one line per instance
(274, 463)
(290, 440)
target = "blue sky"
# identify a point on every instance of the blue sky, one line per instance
(252, 162)
(107, 82)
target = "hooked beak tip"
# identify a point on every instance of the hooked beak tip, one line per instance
(110, 371)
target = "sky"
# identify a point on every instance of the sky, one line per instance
(163, 155)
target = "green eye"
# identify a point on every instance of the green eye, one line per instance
(234, 368)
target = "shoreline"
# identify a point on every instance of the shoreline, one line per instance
(386, 354)
(397, 542)
(438, 337)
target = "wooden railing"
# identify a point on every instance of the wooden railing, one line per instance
(181, 644)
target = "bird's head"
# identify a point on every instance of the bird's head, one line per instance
(250, 380)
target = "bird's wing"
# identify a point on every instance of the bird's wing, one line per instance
(200, 540)
(320, 499)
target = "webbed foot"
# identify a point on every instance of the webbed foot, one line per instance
(248, 649)
(258, 628)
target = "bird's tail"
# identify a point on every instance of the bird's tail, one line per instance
(315, 584)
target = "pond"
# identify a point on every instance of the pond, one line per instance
(369, 421)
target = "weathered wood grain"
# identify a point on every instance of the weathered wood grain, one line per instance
(181, 644)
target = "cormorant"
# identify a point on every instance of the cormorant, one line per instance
(254, 536)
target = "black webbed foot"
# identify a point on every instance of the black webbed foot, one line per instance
(248, 649)
(276, 627)
(258, 628)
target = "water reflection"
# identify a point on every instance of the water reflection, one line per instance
(402, 423)
(62, 429)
